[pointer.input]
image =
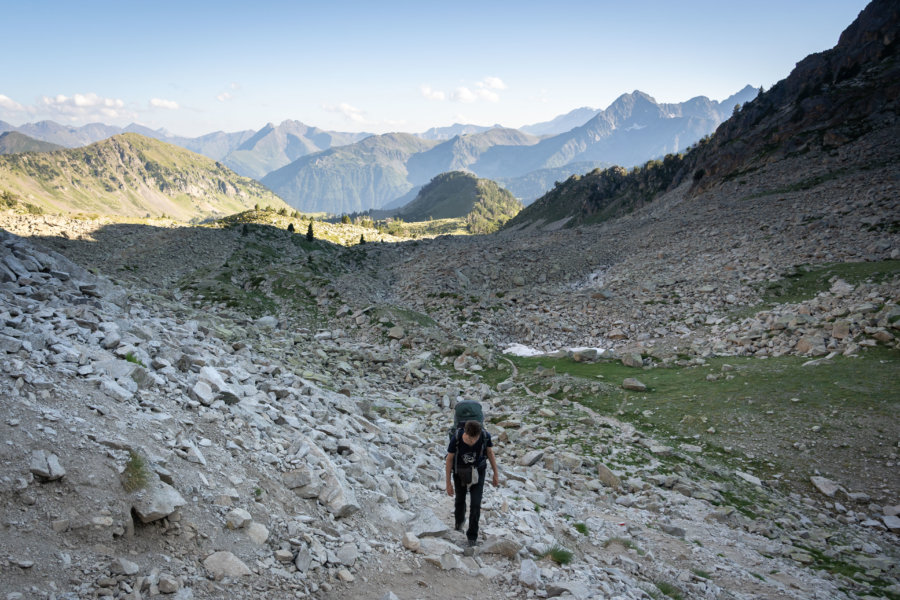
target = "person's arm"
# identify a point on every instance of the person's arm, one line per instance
(495, 481)
(448, 468)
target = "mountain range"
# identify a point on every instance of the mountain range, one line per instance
(316, 170)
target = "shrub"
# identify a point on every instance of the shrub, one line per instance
(136, 474)
(581, 528)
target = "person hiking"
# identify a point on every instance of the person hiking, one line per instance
(466, 463)
(466, 410)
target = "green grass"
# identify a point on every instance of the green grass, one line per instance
(701, 573)
(771, 402)
(581, 528)
(136, 474)
(669, 590)
(558, 554)
(805, 281)
(130, 357)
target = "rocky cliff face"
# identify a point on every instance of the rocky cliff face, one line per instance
(829, 99)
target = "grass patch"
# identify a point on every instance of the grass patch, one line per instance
(669, 590)
(558, 554)
(136, 475)
(805, 281)
(701, 573)
(581, 528)
(130, 357)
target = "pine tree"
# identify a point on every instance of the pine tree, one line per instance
(309, 233)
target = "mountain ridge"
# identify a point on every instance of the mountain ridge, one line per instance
(131, 175)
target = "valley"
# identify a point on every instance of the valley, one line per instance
(688, 366)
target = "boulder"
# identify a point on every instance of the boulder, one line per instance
(825, 485)
(157, 501)
(630, 383)
(607, 477)
(529, 574)
(46, 465)
(531, 458)
(225, 564)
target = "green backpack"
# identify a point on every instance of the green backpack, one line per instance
(467, 410)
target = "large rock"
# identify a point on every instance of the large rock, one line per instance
(502, 546)
(46, 465)
(630, 383)
(225, 564)
(607, 477)
(825, 485)
(632, 359)
(529, 574)
(158, 501)
(427, 523)
(531, 458)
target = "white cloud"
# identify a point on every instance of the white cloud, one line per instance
(432, 94)
(464, 94)
(160, 103)
(9, 104)
(492, 83)
(224, 97)
(350, 112)
(235, 85)
(488, 95)
(84, 107)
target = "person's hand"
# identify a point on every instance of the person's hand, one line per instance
(495, 480)
(449, 489)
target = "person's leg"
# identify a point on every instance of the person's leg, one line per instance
(476, 492)
(459, 500)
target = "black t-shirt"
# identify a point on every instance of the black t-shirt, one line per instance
(470, 454)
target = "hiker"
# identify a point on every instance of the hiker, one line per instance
(466, 410)
(467, 457)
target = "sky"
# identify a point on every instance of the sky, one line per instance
(388, 65)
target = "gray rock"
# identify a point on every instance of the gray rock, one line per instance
(203, 393)
(892, 523)
(502, 546)
(531, 458)
(225, 564)
(158, 501)
(303, 559)
(46, 465)
(426, 523)
(168, 584)
(630, 383)
(347, 554)
(529, 574)
(258, 533)
(607, 477)
(632, 359)
(825, 485)
(237, 518)
(122, 566)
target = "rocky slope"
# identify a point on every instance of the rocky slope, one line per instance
(297, 450)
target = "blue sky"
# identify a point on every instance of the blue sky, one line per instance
(197, 67)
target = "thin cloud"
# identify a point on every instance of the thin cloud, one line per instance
(492, 83)
(432, 94)
(224, 97)
(9, 104)
(167, 104)
(464, 95)
(84, 107)
(350, 112)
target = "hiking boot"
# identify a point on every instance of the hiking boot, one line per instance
(458, 527)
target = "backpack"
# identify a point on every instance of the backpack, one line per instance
(467, 410)
(468, 474)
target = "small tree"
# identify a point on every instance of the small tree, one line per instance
(362, 238)
(309, 233)
(345, 219)
(291, 227)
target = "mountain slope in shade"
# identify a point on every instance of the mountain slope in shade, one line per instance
(273, 147)
(562, 123)
(351, 178)
(446, 133)
(131, 175)
(13, 142)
